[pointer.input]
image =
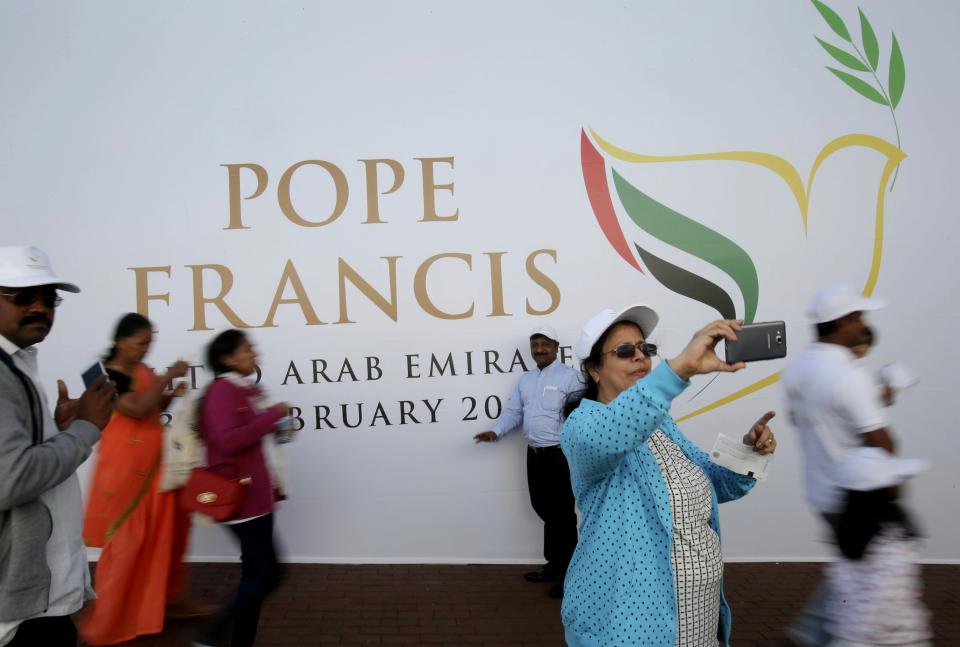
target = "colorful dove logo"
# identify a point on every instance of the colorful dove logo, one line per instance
(656, 222)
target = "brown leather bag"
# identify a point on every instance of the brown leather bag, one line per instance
(216, 496)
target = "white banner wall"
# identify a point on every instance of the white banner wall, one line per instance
(391, 195)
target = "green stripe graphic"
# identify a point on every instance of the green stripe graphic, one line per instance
(673, 228)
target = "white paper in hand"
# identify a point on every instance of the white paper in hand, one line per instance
(735, 456)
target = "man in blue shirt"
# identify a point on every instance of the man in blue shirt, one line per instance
(536, 404)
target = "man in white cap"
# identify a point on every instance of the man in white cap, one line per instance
(43, 562)
(835, 406)
(536, 405)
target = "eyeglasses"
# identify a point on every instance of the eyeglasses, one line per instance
(24, 298)
(627, 351)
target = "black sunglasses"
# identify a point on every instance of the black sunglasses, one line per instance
(628, 350)
(24, 298)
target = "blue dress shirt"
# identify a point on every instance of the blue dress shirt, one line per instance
(537, 402)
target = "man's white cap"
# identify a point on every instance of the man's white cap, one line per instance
(871, 468)
(642, 315)
(546, 331)
(27, 267)
(829, 304)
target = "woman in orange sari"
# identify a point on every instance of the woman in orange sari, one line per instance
(142, 531)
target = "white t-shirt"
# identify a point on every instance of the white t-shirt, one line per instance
(831, 401)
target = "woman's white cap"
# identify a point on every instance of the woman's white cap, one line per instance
(643, 315)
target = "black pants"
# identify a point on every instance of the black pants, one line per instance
(548, 479)
(260, 574)
(55, 631)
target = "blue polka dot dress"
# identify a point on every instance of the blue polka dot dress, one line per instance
(621, 586)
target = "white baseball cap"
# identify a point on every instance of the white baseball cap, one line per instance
(643, 315)
(872, 468)
(829, 304)
(546, 331)
(27, 267)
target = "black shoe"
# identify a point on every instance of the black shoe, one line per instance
(543, 575)
(556, 590)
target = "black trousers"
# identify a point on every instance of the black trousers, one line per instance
(260, 573)
(55, 631)
(548, 479)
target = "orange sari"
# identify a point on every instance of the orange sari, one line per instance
(142, 531)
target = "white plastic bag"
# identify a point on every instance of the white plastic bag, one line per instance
(182, 447)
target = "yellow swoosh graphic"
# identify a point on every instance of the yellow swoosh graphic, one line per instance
(789, 174)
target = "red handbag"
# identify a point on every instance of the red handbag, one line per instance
(216, 496)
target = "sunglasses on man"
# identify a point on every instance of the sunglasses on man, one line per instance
(628, 350)
(24, 298)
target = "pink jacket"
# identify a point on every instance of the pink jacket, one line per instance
(233, 432)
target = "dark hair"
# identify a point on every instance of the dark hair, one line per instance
(226, 343)
(594, 360)
(826, 328)
(129, 325)
(829, 327)
(864, 516)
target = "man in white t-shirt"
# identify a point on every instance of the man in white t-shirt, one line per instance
(835, 406)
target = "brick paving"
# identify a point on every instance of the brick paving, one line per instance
(322, 604)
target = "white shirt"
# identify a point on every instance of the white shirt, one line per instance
(66, 552)
(831, 401)
(537, 403)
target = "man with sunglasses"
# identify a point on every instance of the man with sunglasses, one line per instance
(43, 562)
(535, 405)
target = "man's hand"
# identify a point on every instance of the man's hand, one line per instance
(700, 355)
(760, 437)
(66, 411)
(485, 437)
(96, 403)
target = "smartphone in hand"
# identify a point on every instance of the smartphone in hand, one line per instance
(758, 341)
(92, 373)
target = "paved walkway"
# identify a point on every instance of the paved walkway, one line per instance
(492, 605)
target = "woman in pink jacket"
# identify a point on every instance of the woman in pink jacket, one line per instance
(234, 422)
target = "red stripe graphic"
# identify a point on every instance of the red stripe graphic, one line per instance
(595, 179)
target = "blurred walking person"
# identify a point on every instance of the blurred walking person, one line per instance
(835, 406)
(140, 577)
(236, 421)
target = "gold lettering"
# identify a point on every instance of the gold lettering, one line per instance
(430, 187)
(290, 276)
(200, 302)
(423, 297)
(233, 175)
(346, 273)
(141, 276)
(339, 182)
(373, 197)
(496, 284)
(543, 281)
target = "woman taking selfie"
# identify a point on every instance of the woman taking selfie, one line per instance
(140, 577)
(648, 567)
(236, 421)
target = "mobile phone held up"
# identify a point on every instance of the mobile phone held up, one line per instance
(758, 341)
(93, 373)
